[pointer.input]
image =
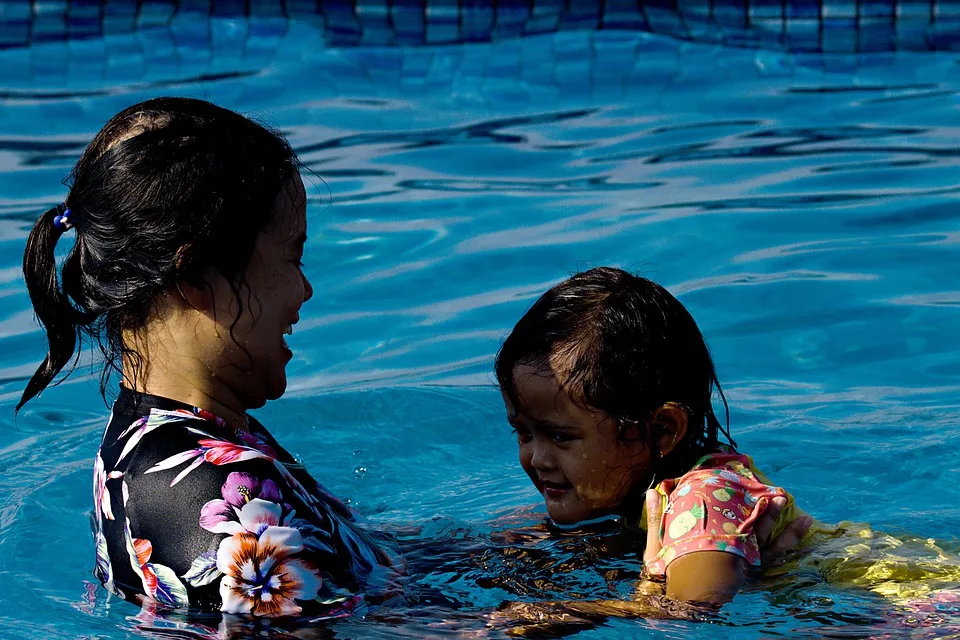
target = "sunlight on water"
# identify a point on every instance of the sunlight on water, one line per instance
(803, 208)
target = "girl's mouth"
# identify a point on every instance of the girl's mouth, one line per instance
(555, 490)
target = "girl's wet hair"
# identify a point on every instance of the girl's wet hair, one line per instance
(168, 189)
(625, 346)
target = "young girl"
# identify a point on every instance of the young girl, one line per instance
(190, 225)
(609, 385)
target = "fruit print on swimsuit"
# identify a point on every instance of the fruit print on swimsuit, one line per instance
(712, 508)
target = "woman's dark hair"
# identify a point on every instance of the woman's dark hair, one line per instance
(168, 189)
(628, 348)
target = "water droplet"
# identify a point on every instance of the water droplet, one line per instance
(359, 471)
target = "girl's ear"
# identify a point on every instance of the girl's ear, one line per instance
(673, 422)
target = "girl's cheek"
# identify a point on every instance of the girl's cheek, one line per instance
(523, 453)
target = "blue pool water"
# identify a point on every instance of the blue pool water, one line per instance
(805, 209)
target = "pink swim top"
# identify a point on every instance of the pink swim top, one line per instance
(713, 507)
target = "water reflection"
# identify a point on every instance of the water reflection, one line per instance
(805, 214)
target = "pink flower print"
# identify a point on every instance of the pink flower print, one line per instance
(221, 516)
(260, 575)
(253, 440)
(218, 452)
(136, 431)
(250, 439)
(203, 414)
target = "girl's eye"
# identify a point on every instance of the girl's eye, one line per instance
(562, 436)
(523, 435)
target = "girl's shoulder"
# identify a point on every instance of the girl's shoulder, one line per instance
(727, 466)
(735, 472)
(724, 458)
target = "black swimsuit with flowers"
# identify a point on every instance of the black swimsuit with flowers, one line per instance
(191, 511)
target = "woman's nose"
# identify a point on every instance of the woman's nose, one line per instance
(307, 289)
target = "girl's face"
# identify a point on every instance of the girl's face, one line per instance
(275, 290)
(572, 453)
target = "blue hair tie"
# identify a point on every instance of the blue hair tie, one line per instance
(63, 221)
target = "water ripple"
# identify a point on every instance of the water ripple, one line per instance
(803, 209)
(580, 185)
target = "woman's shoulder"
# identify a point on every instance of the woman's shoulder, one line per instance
(193, 456)
(169, 437)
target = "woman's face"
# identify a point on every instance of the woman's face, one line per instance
(253, 352)
(573, 454)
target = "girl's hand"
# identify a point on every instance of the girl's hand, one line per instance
(652, 504)
(537, 619)
(774, 551)
(561, 619)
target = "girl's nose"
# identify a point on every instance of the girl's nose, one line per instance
(542, 458)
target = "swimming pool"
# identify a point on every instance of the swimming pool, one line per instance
(803, 208)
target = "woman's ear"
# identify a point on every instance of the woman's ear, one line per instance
(196, 292)
(673, 421)
(200, 294)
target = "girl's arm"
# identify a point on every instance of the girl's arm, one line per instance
(696, 584)
(559, 619)
(709, 576)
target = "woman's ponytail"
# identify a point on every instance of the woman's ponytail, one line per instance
(59, 318)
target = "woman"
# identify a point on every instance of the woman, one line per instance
(186, 271)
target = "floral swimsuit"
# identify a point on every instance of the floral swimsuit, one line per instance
(191, 511)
